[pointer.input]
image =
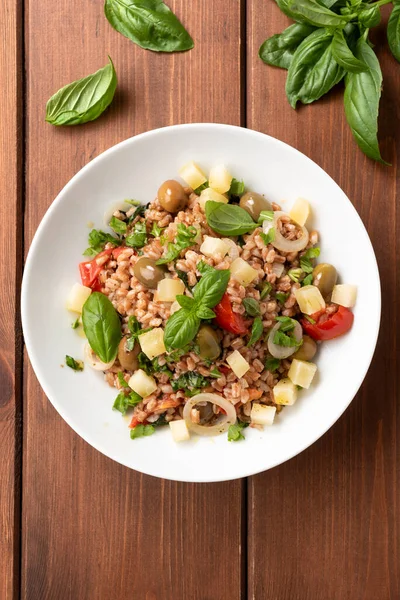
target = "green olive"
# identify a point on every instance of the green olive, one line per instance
(172, 196)
(128, 358)
(206, 413)
(254, 203)
(325, 277)
(208, 342)
(307, 350)
(148, 273)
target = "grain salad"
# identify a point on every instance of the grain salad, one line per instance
(205, 308)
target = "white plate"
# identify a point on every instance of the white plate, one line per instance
(135, 169)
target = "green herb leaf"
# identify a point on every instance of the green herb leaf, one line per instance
(272, 364)
(305, 261)
(181, 328)
(344, 56)
(393, 31)
(256, 331)
(201, 187)
(123, 402)
(215, 373)
(204, 268)
(145, 363)
(295, 274)
(252, 307)
(361, 101)
(315, 14)
(118, 226)
(138, 236)
(156, 230)
(142, 431)
(183, 277)
(185, 301)
(184, 238)
(83, 100)
(287, 324)
(75, 365)
(288, 341)
(370, 16)
(313, 71)
(205, 313)
(307, 280)
(282, 297)
(266, 215)
(284, 6)
(236, 189)
(211, 287)
(102, 326)
(279, 49)
(228, 219)
(121, 380)
(97, 240)
(235, 432)
(189, 381)
(148, 23)
(75, 324)
(265, 291)
(139, 212)
(269, 237)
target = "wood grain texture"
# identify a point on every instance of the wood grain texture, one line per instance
(10, 273)
(91, 528)
(326, 524)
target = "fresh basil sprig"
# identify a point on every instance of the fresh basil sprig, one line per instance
(83, 100)
(148, 23)
(102, 326)
(184, 324)
(228, 219)
(329, 42)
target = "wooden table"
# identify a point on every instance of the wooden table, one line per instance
(75, 525)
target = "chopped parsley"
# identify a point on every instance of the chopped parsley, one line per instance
(269, 237)
(156, 230)
(286, 340)
(121, 380)
(123, 401)
(97, 240)
(118, 226)
(272, 364)
(282, 297)
(265, 291)
(191, 382)
(142, 431)
(138, 236)
(235, 431)
(139, 212)
(287, 324)
(72, 363)
(184, 238)
(145, 363)
(307, 280)
(252, 307)
(135, 330)
(76, 323)
(305, 260)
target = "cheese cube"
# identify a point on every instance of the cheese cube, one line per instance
(168, 289)
(309, 299)
(345, 295)
(243, 272)
(77, 297)
(302, 372)
(142, 384)
(300, 211)
(179, 430)
(220, 179)
(212, 246)
(152, 342)
(193, 175)
(285, 392)
(238, 364)
(262, 414)
(209, 194)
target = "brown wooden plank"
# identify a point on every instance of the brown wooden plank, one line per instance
(326, 524)
(91, 528)
(10, 273)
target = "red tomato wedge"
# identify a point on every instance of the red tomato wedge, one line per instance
(91, 269)
(336, 325)
(227, 319)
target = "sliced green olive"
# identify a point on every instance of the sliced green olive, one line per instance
(208, 342)
(172, 196)
(128, 358)
(254, 203)
(307, 350)
(148, 273)
(325, 277)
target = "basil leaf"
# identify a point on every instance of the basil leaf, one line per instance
(235, 432)
(185, 301)
(315, 14)
(361, 102)
(344, 56)
(138, 236)
(204, 268)
(313, 71)
(142, 431)
(393, 31)
(118, 226)
(284, 6)
(370, 17)
(123, 402)
(287, 324)
(252, 307)
(102, 326)
(83, 100)
(272, 364)
(279, 49)
(148, 23)
(228, 219)
(203, 312)
(305, 260)
(256, 331)
(75, 365)
(156, 230)
(211, 287)
(180, 329)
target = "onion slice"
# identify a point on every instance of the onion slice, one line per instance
(284, 245)
(278, 268)
(283, 351)
(94, 361)
(225, 419)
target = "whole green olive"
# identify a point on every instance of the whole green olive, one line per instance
(208, 342)
(307, 350)
(254, 203)
(148, 273)
(325, 277)
(128, 358)
(172, 196)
